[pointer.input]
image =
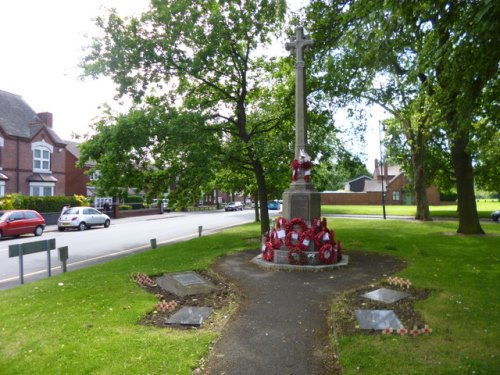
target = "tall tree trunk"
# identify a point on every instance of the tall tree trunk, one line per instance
(468, 219)
(255, 198)
(262, 193)
(419, 179)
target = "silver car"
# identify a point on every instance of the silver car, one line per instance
(82, 218)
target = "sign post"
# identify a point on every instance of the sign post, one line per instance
(20, 250)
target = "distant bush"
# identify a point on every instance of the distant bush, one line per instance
(41, 204)
(448, 197)
(125, 207)
(134, 199)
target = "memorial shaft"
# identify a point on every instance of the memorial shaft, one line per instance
(299, 44)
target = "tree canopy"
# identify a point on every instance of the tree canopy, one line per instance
(428, 63)
(203, 58)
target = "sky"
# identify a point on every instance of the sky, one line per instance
(41, 44)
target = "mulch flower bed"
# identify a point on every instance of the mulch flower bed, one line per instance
(169, 303)
(345, 319)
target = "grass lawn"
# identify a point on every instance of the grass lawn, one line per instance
(463, 310)
(484, 209)
(85, 321)
(89, 323)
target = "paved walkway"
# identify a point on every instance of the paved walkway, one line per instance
(282, 326)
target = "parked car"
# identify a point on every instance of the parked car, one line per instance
(17, 222)
(234, 206)
(82, 218)
(273, 205)
(164, 204)
(495, 216)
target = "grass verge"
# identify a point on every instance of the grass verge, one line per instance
(484, 210)
(86, 321)
(464, 274)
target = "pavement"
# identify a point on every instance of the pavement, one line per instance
(282, 325)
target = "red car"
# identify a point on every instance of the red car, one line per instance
(17, 222)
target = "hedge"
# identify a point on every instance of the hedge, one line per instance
(41, 204)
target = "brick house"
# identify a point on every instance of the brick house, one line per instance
(33, 159)
(365, 190)
(32, 156)
(77, 181)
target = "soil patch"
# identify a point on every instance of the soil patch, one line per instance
(220, 300)
(345, 304)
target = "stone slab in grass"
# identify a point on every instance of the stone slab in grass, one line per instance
(385, 295)
(190, 316)
(185, 283)
(377, 319)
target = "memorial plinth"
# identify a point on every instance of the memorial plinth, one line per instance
(302, 201)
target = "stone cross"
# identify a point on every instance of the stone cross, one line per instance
(298, 44)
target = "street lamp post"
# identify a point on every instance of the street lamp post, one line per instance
(382, 169)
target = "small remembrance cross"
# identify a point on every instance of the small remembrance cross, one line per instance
(298, 44)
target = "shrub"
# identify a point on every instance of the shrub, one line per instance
(125, 207)
(42, 204)
(134, 199)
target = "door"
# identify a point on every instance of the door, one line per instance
(16, 224)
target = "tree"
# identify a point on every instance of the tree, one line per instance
(200, 52)
(150, 149)
(443, 55)
(343, 167)
(364, 65)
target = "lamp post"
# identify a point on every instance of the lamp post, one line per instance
(381, 168)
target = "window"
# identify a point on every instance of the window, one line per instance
(2, 188)
(395, 196)
(41, 159)
(41, 189)
(30, 215)
(99, 201)
(41, 156)
(16, 216)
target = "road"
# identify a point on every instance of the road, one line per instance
(123, 237)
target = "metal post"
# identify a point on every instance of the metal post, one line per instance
(153, 243)
(48, 259)
(63, 257)
(382, 170)
(200, 229)
(21, 269)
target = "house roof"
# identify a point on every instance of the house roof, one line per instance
(42, 177)
(359, 178)
(73, 148)
(18, 119)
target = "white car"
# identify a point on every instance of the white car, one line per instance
(82, 218)
(234, 206)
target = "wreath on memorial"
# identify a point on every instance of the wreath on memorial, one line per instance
(315, 227)
(304, 163)
(296, 256)
(268, 252)
(290, 225)
(305, 239)
(292, 241)
(275, 239)
(327, 254)
(295, 169)
(324, 237)
(281, 223)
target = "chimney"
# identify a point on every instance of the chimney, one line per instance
(45, 118)
(376, 164)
